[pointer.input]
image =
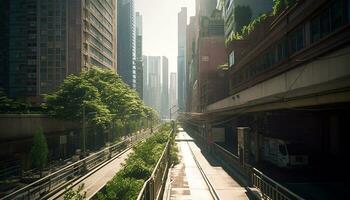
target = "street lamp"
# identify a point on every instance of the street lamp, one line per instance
(170, 111)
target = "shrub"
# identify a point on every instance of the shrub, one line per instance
(137, 168)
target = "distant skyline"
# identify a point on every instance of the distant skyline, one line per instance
(160, 27)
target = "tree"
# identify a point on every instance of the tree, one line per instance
(101, 92)
(9, 105)
(39, 151)
(74, 94)
(78, 194)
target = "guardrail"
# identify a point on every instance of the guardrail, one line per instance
(58, 179)
(270, 189)
(231, 160)
(153, 188)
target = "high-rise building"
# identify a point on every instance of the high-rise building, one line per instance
(145, 79)
(138, 61)
(44, 41)
(154, 82)
(172, 91)
(181, 58)
(126, 42)
(165, 87)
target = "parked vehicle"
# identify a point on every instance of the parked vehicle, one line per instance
(284, 153)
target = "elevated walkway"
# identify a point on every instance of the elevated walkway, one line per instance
(187, 181)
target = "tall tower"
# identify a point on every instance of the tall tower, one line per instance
(138, 61)
(181, 58)
(126, 42)
(165, 87)
(172, 90)
(57, 38)
(154, 82)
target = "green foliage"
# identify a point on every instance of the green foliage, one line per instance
(127, 183)
(281, 5)
(245, 26)
(78, 194)
(39, 151)
(252, 25)
(103, 94)
(242, 15)
(8, 105)
(121, 187)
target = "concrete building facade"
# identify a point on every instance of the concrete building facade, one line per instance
(126, 42)
(139, 61)
(154, 82)
(165, 87)
(181, 58)
(172, 92)
(44, 41)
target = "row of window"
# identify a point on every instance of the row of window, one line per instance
(100, 56)
(332, 18)
(104, 16)
(101, 37)
(99, 25)
(321, 26)
(103, 7)
(100, 46)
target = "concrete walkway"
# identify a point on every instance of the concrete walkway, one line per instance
(187, 181)
(94, 182)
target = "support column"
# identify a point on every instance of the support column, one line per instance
(243, 145)
(209, 131)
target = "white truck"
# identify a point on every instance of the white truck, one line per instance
(284, 153)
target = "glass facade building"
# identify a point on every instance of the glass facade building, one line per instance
(44, 41)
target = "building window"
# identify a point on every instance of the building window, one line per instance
(232, 58)
(296, 40)
(325, 23)
(348, 11)
(336, 15)
(329, 20)
(315, 29)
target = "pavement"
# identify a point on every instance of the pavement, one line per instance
(97, 180)
(187, 182)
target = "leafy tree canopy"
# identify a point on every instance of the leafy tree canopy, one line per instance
(8, 105)
(104, 96)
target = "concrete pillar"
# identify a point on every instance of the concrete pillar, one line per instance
(209, 133)
(243, 145)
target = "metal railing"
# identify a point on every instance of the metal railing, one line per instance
(57, 180)
(270, 189)
(153, 188)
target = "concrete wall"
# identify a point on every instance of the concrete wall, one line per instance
(325, 71)
(22, 126)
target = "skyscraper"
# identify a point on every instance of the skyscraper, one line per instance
(181, 58)
(172, 90)
(145, 79)
(154, 84)
(126, 42)
(138, 61)
(165, 87)
(44, 41)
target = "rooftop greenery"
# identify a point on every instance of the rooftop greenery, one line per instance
(248, 27)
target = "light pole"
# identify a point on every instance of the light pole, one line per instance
(170, 111)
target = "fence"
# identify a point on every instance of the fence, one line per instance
(153, 188)
(270, 189)
(60, 178)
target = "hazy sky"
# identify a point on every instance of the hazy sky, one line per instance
(160, 26)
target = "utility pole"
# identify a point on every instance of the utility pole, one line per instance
(170, 111)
